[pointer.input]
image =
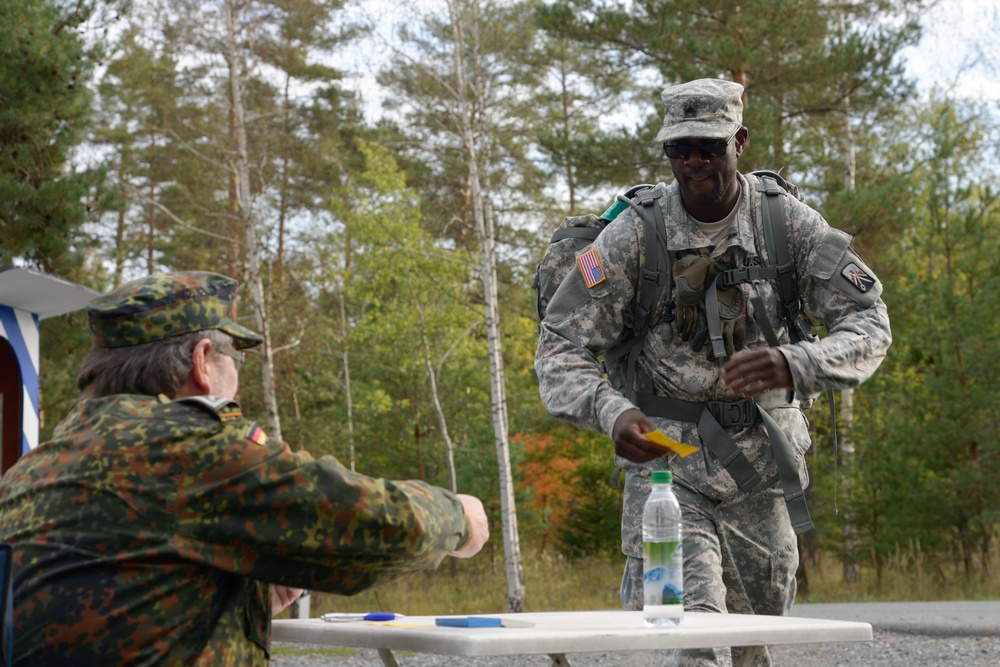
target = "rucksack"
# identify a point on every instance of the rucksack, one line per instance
(576, 233)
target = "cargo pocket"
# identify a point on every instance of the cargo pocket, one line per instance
(784, 564)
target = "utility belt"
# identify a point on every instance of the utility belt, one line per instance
(713, 418)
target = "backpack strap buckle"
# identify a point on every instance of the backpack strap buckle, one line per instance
(733, 277)
(734, 414)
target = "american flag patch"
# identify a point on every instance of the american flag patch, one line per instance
(858, 277)
(590, 267)
(256, 435)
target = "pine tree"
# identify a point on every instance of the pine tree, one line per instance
(786, 55)
(47, 53)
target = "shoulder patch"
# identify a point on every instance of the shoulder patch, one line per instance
(590, 267)
(858, 277)
(255, 434)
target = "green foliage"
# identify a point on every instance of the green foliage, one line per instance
(593, 525)
(565, 474)
(497, 41)
(64, 341)
(407, 305)
(928, 452)
(165, 122)
(797, 60)
(45, 66)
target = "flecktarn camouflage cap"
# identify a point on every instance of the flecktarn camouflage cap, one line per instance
(164, 305)
(705, 108)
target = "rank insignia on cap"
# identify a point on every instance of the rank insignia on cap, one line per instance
(590, 267)
(256, 435)
(858, 277)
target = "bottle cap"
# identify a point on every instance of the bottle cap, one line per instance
(663, 477)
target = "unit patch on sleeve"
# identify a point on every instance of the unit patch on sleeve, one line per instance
(590, 267)
(858, 277)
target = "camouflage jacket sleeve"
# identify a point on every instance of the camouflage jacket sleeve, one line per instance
(246, 503)
(581, 323)
(838, 291)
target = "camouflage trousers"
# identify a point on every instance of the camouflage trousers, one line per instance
(740, 557)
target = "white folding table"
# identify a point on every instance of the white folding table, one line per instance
(559, 633)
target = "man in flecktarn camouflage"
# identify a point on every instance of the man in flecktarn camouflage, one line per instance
(159, 526)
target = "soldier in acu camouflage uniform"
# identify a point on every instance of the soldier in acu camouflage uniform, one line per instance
(161, 527)
(739, 546)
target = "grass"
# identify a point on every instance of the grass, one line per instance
(908, 574)
(555, 583)
(479, 586)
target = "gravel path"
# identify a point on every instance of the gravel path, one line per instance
(889, 649)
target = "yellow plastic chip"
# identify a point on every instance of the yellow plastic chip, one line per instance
(661, 440)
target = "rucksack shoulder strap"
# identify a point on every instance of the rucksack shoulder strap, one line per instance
(771, 188)
(656, 272)
(655, 278)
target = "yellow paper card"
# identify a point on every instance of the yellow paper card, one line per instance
(662, 440)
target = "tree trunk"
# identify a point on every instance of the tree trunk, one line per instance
(345, 334)
(241, 169)
(486, 237)
(851, 569)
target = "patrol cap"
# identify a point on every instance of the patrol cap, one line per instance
(704, 108)
(166, 304)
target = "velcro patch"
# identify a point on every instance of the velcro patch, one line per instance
(858, 277)
(590, 267)
(256, 435)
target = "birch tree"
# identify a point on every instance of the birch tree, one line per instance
(417, 280)
(846, 433)
(464, 18)
(228, 153)
(462, 90)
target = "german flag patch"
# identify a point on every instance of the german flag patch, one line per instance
(256, 435)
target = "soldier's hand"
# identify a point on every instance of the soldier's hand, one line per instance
(476, 516)
(753, 372)
(630, 442)
(282, 596)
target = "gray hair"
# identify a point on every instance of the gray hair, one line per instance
(158, 367)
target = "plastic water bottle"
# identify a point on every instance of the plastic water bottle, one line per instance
(663, 555)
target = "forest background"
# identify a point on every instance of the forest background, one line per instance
(388, 257)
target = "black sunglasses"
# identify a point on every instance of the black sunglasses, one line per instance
(713, 149)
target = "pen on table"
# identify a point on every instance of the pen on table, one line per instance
(336, 617)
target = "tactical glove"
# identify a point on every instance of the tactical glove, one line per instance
(692, 275)
(733, 319)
